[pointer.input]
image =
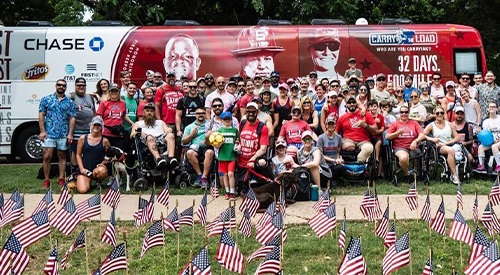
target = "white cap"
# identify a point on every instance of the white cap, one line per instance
(253, 104)
(450, 83)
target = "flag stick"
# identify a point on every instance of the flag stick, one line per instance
(475, 196)
(343, 249)
(236, 233)
(409, 251)
(192, 227)
(164, 247)
(178, 237)
(125, 246)
(86, 253)
(100, 210)
(336, 232)
(416, 190)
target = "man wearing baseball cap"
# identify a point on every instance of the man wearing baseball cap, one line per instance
(356, 129)
(324, 48)
(256, 49)
(329, 143)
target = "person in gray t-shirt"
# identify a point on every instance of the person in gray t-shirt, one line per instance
(329, 143)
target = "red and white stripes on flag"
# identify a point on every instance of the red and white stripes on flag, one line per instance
(226, 219)
(266, 216)
(353, 261)
(32, 229)
(140, 212)
(494, 196)
(79, 243)
(228, 254)
(172, 221)
(342, 234)
(201, 212)
(64, 196)
(324, 221)
(390, 237)
(475, 209)
(429, 267)
(323, 201)
(67, 218)
(426, 210)
(270, 230)
(46, 202)
(265, 249)
(245, 226)
(13, 257)
(271, 263)
(13, 209)
(186, 217)
(397, 255)
(459, 230)
(490, 220)
(154, 237)
(90, 207)
(149, 209)
(112, 196)
(412, 197)
(164, 196)
(488, 262)
(381, 230)
(52, 265)
(478, 245)
(367, 206)
(116, 260)
(439, 223)
(250, 202)
(460, 201)
(109, 234)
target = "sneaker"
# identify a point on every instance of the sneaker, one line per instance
(232, 197)
(481, 168)
(197, 181)
(61, 182)
(226, 196)
(204, 182)
(46, 184)
(173, 163)
(454, 179)
(160, 163)
(497, 168)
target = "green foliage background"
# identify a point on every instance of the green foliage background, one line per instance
(477, 13)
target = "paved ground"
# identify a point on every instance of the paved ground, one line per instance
(297, 213)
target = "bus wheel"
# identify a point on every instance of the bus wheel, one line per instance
(29, 146)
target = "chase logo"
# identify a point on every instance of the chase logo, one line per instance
(403, 37)
(96, 44)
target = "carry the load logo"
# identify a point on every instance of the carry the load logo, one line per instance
(403, 37)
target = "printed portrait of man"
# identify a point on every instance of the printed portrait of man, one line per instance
(182, 56)
(324, 48)
(256, 50)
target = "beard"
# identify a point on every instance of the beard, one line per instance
(150, 120)
(60, 91)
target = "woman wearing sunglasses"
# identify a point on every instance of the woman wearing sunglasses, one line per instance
(400, 101)
(418, 112)
(309, 114)
(428, 101)
(444, 135)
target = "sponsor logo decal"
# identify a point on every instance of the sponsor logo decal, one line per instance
(96, 44)
(403, 37)
(35, 72)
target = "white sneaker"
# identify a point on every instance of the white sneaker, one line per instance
(455, 179)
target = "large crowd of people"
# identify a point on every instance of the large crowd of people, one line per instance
(269, 125)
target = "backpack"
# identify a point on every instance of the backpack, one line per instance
(303, 187)
(259, 127)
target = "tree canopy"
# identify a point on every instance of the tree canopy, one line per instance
(248, 12)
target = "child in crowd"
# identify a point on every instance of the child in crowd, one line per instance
(227, 155)
(377, 137)
(282, 162)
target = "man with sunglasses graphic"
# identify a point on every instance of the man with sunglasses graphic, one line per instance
(324, 48)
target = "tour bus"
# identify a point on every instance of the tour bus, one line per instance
(32, 59)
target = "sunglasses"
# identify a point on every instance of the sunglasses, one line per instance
(97, 125)
(290, 83)
(331, 46)
(60, 85)
(363, 90)
(200, 114)
(439, 113)
(335, 85)
(251, 112)
(296, 112)
(306, 102)
(307, 139)
(414, 96)
(465, 78)
(351, 102)
(313, 76)
(227, 118)
(157, 76)
(381, 79)
(80, 85)
(217, 106)
(221, 82)
(241, 86)
(399, 91)
(404, 112)
(436, 79)
(193, 87)
(209, 78)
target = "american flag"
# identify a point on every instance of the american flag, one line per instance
(282, 204)
(390, 238)
(272, 228)
(140, 212)
(226, 219)
(479, 244)
(266, 216)
(79, 243)
(494, 196)
(149, 209)
(367, 206)
(154, 237)
(228, 254)
(426, 211)
(271, 263)
(324, 221)
(353, 261)
(172, 221)
(13, 251)
(67, 218)
(378, 208)
(428, 268)
(460, 202)
(64, 196)
(347, 250)
(32, 229)
(214, 190)
(459, 230)
(397, 255)
(187, 217)
(245, 226)
(201, 212)
(412, 197)
(112, 196)
(90, 207)
(46, 202)
(265, 249)
(490, 220)
(109, 234)
(439, 223)
(52, 265)
(323, 201)
(200, 265)
(117, 260)
(342, 234)
(164, 196)
(488, 262)
(13, 209)
(475, 209)
(382, 226)
(250, 202)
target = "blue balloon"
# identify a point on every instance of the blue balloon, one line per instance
(486, 138)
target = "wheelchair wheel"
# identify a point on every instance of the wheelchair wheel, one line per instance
(394, 180)
(431, 160)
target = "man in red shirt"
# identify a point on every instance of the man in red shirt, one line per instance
(355, 130)
(254, 140)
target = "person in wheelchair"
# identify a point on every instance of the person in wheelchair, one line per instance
(329, 143)
(404, 133)
(194, 135)
(444, 136)
(492, 124)
(311, 158)
(356, 129)
(153, 132)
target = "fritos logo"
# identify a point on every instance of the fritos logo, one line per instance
(35, 72)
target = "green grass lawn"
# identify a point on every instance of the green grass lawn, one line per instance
(24, 177)
(304, 252)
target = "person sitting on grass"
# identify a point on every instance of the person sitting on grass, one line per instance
(227, 155)
(90, 157)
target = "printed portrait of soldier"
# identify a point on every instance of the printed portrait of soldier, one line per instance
(182, 56)
(324, 48)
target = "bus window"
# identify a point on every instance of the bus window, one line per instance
(467, 61)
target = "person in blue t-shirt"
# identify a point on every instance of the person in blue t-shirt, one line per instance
(408, 88)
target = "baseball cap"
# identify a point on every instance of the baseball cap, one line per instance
(349, 98)
(331, 119)
(450, 83)
(370, 79)
(275, 74)
(150, 106)
(170, 73)
(257, 77)
(353, 87)
(280, 142)
(380, 75)
(290, 80)
(294, 87)
(344, 88)
(97, 120)
(252, 104)
(352, 59)
(200, 79)
(284, 85)
(313, 73)
(226, 115)
(332, 93)
(353, 78)
(334, 81)
(307, 134)
(296, 108)
(323, 36)
(256, 39)
(80, 80)
(149, 73)
(265, 91)
(113, 86)
(264, 79)
(256, 99)
(231, 83)
(459, 109)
